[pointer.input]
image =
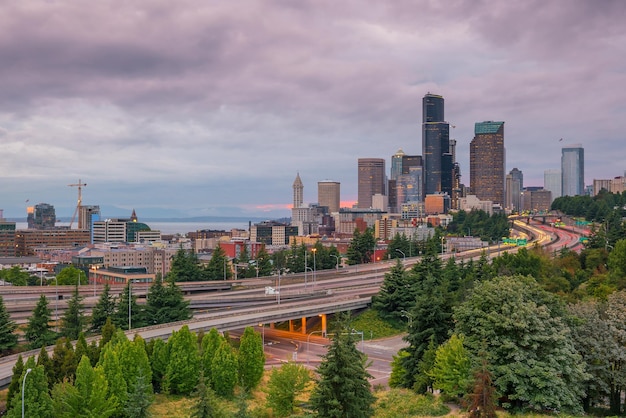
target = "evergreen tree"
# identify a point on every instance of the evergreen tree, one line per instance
(120, 318)
(342, 389)
(158, 362)
(140, 397)
(285, 384)
(105, 308)
(18, 368)
(205, 405)
(395, 298)
(135, 365)
(224, 370)
(43, 360)
(185, 267)
(37, 402)
(8, 339)
(361, 248)
(210, 343)
(483, 396)
(63, 360)
(181, 376)
(251, 359)
(117, 387)
(73, 320)
(38, 332)
(264, 263)
(107, 333)
(166, 303)
(87, 397)
(218, 267)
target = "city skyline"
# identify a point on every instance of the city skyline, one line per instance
(210, 109)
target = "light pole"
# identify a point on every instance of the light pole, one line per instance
(305, 270)
(305, 267)
(314, 270)
(95, 273)
(308, 341)
(278, 291)
(442, 246)
(23, 385)
(263, 335)
(337, 258)
(130, 298)
(56, 302)
(403, 255)
(224, 268)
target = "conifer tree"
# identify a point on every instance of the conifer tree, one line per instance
(140, 396)
(224, 370)
(105, 308)
(181, 376)
(107, 333)
(63, 360)
(43, 360)
(158, 362)
(251, 359)
(37, 402)
(73, 321)
(205, 405)
(18, 367)
(8, 339)
(38, 332)
(342, 389)
(137, 314)
(165, 303)
(210, 344)
(117, 388)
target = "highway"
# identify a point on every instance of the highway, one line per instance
(333, 291)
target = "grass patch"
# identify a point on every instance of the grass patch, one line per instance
(373, 326)
(396, 403)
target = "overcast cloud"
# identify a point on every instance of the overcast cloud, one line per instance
(212, 107)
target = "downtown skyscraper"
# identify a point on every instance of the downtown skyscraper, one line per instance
(487, 162)
(573, 170)
(372, 179)
(436, 153)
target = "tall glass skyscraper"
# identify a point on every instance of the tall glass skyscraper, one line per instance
(573, 170)
(371, 179)
(552, 182)
(438, 160)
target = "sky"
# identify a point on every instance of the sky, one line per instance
(211, 108)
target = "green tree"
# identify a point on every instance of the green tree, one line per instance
(137, 314)
(158, 362)
(210, 343)
(205, 404)
(264, 263)
(185, 267)
(87, 397)
(71, 276)
(105, 308)
(37, 401)
(63, 360)
(218, 267)
(15, 275)
(44, 360)
(342, 389)
(108, 330)
(452, 368)
(134, 363)
(224, 370)
(395, 298)
(284, 385)
(73, 320)
(165, 303)
(181, 376)
(38, 332)
(361, 248)
(251, 359)
(112, 369)
(140, 397)
(8, 339)
(14, 386)
(527, 343)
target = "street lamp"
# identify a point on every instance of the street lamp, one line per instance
(407, 316)
(403, 255)
(130, 298)
(224, 268)
(56, 302)
(337, 265)
(308, 341)
(314, 270)
(442, 251)
(95, 273)
(263, 327)
(23, 385)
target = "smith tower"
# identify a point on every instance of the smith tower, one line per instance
(438, 160)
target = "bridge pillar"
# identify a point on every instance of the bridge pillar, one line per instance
(271, 325)
(323, 316)
(291, 325)
(304, 325)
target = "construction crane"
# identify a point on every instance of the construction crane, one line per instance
(80, 186)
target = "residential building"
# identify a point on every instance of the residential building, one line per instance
(472, 202)
(487, 162)
(573, 170)
(7, 237)
(27, 241)
(371, 180)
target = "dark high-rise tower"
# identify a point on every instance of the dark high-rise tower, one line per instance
(487, 162)
(371, 180)
(438, 160)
